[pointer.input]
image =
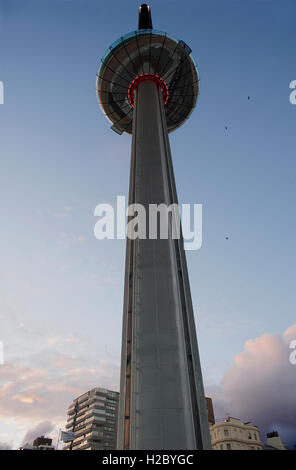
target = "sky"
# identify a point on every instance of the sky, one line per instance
(61, 289)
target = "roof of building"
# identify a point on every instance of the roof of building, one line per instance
(147, 51)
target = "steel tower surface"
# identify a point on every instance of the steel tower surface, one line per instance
(147, 86)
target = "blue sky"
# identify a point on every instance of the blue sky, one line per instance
(61, 290)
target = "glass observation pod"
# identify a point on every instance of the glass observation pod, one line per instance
(147, 54)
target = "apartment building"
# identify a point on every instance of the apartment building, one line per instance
(93, 419)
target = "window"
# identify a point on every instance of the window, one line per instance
(249, 435)
(228, 446)
(226, 432)
(221, 446)
(98, 410)
(255, 436)
(100, 397)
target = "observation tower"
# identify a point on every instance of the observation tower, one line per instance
(148, 86)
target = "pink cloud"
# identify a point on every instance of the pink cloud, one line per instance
(261, 385)
(29, 396)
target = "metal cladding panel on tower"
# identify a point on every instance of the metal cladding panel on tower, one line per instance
(147, 52)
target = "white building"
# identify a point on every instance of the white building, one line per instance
(274, 442)
(232, 434)
(93, 419)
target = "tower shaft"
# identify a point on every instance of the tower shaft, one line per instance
(162, 402)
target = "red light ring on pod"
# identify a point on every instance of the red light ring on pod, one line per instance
(151, 77)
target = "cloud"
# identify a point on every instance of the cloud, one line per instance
(41, 429)
(43, 372)
(261, 386)
(5, 446)
(63, 213)
(290, 333)
(41, 392)
(58, 340)
(69, 239)
(81, 239)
